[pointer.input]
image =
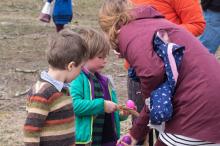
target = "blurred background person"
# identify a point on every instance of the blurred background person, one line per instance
(211, 36)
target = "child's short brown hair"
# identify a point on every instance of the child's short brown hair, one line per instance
(65, 47)
(96, 41)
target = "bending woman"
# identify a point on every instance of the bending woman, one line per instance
(196, 98)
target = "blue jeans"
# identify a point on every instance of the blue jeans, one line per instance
(211, 36)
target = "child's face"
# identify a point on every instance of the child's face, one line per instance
(96, 64)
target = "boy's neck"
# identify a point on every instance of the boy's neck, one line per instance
(57, 74)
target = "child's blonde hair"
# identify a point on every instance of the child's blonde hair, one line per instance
(97, 42)
(112, 15)
(65, 47)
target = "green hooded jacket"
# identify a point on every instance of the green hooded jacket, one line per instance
(85, 108)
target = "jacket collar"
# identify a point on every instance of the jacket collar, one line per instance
(140, 12)
(101, 79)
(57, 84)
(98, 75)
(145, 12)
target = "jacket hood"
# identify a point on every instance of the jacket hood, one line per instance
(145, 11)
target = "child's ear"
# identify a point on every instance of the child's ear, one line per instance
(71, 65)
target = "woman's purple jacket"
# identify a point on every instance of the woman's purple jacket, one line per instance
(196, 102)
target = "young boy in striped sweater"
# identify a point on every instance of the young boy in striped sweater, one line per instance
(50, 116)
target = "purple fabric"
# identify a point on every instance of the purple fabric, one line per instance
(146, 12)
(110, 144)
(104, 84)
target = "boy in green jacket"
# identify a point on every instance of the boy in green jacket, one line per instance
(94, 98)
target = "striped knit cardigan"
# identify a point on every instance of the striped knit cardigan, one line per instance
(50, 117)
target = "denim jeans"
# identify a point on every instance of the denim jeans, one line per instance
(211, 36)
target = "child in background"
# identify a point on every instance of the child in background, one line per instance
(62, 12)
(94, 98)
(211, 37)
(50, 118)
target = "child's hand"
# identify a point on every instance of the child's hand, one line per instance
(109, 106)
(133, 112)
(124, 113)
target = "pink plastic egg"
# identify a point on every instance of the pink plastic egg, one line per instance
(127, 139)
(130, 104)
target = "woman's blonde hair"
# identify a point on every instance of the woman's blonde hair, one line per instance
(112, 15)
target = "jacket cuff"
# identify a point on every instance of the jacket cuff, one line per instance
(140, 129)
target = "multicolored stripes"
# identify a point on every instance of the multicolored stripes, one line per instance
(50, 118)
